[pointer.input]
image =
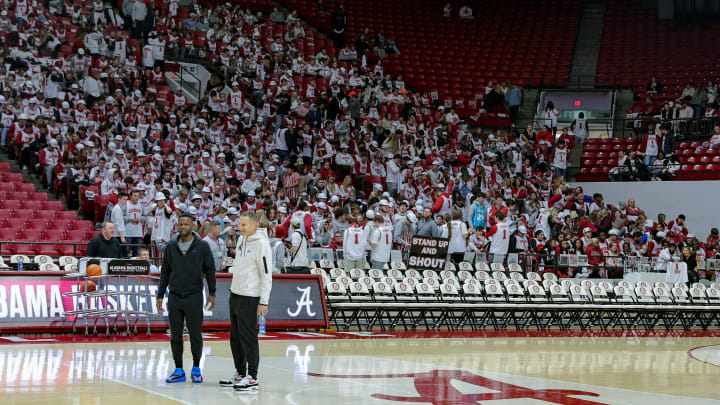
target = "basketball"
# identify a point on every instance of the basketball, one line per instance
(88, 286)
(93, 270)
(403, 91)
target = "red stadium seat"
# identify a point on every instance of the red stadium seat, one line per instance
(11, 204)
(50, 250)
(62, 225)
(33, 205)
(53, 205)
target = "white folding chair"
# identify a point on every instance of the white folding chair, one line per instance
(432, 282)
(497, 267)
(413, 274)
(335, 273)
(357, 274)
(42, 259)
(396, 274)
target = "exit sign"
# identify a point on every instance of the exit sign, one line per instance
(578, 103)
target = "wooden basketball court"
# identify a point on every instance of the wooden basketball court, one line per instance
(379, 368)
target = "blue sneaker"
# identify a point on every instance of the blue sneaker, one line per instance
(177, 376)
(196, 375)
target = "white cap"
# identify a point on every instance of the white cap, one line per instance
(206, 190)
(440, 185)
(321, 206)
(117, 151)
(206, 154)
(282, 209)
(370, 214)
(118, 137)
(81, 51)
(232, 211)
(587, 229)
(195, 197)
(323, 196)
(81, 147)
(74, 86)
(132, 129)
(65, 104)
(157, 149)
(691, 235)
(295, 220)
(160, 197)
(614, 232)
(235, 83)
(522, 229)
(378, 186)
(272, 169)
(23, 116)
(138, 93)
(659, 234)
(334, 199)
(411, 217)
(251, 194)
(157, 157)
(384, 202)
(53, 143)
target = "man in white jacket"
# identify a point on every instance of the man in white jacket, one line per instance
(250, 293)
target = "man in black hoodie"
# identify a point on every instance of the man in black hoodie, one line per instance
(187, 258)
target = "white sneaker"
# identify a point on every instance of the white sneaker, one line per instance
(236, 379)
(247, 384)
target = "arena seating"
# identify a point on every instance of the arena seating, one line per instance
(28, 216)
(524, 42)
(636, 45)
(475, 296)
(600, 155)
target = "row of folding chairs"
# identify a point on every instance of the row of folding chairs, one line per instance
(399, 265)
(44, 262)
(365, 303)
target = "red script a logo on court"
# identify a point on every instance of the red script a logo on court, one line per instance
(435, 387)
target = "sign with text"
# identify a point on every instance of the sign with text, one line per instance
(428, 253)
(296, 301)
(128, 267)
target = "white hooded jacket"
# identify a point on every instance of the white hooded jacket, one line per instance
(252, 267)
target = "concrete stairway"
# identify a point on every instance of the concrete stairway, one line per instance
(587, 45)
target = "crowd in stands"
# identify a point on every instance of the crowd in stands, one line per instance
(322, 146)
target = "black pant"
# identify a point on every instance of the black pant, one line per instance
(457, 257)
(243, 334)
(190, 310)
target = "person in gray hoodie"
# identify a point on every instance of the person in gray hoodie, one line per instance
(249, 296)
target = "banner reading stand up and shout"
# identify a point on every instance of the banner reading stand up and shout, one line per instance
(428, 253)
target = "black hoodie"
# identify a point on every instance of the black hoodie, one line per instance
(184, 273)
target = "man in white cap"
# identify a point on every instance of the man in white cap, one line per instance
(49, 158)
(273, 178)
(519, 242)
(163, 220)
(385, 209)
(236, 99)
(251, 204)
(207, 204)
(196, 211)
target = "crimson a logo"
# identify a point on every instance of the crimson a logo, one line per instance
(435, 387)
